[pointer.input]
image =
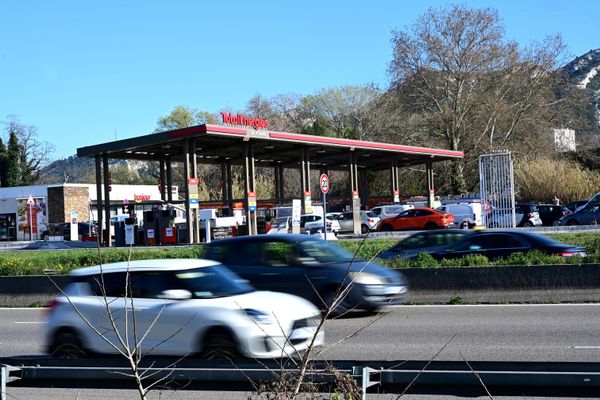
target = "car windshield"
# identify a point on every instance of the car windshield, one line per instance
(323, 252)
(210, 282)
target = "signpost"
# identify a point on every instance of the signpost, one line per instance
(324, 185)
(30, 204)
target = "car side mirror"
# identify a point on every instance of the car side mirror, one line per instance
(175, 294)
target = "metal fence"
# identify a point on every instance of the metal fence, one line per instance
(497, 189)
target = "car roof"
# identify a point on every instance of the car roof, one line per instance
(172, 264)
(288, 237)
(515, 232)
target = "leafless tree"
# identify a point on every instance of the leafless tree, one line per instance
(464, 85)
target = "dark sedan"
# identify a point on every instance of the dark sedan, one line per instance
(500, 244)
(311, 268)
(423, 242)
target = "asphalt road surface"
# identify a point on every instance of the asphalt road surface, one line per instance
(549, 332)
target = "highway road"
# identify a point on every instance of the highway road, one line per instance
(548, 332)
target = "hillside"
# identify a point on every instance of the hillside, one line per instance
(584, 71)
(72, 170)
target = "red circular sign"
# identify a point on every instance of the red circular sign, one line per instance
(324, 183)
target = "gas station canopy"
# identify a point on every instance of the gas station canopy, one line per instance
(217, 143)
(248, 142)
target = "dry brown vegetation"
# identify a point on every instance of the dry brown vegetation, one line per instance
(542, 178)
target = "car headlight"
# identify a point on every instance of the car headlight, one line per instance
(366, 278)
(259, 317)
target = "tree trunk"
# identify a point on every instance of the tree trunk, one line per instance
(457, 177)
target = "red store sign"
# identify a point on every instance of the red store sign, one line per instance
(141, 197)
(242, 120)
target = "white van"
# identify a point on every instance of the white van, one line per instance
(472, 212)
(390, 210)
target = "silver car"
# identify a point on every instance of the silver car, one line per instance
(368, 221)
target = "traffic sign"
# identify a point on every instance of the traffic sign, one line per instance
(324, 183)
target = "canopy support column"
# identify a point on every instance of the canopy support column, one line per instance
(106, 172)
(430, 184)
(250, 188)
(99, 203)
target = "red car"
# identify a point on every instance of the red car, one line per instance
(417, 218)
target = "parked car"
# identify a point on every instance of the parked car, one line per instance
(423, 242)
(574, 205)
(368, 221)
(309, 223)
(85, 231)
(526, 215)
(417, 218)
(315, 222)
(311, 268)
(499, 244)
(551, 213)
(390, 210)
(471, 212)
(589, 214)
(181, 307)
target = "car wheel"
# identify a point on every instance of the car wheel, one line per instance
(219, 344)
(431, 225)
(572, 222)
(67, 345)
(387, 228)
(364, 229)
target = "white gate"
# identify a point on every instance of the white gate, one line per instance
(497, 189)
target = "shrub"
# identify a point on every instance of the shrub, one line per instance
(473, 260)
(424, 260)
(534, 257)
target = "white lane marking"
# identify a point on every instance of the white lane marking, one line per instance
(495, 305)
(587, 347)
(28, 322)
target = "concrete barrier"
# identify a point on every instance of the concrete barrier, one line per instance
(542, 283)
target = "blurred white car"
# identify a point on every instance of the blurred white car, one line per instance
(179, 307)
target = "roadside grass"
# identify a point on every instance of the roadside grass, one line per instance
(60, 262)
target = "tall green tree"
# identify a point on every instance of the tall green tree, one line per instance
(3, 165)
(183, 117)
(460, 83)
(13, 157)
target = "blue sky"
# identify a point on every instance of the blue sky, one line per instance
(86, 72)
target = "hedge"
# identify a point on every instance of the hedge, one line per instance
(63, 261)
